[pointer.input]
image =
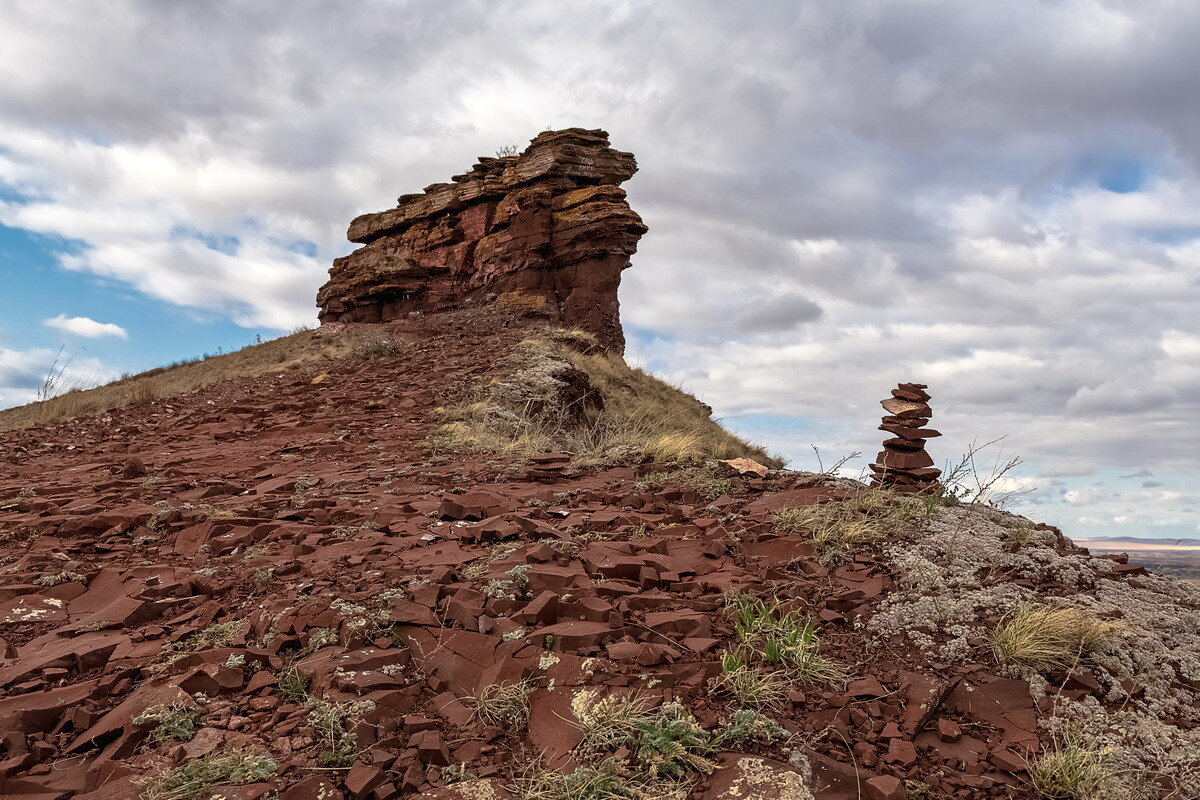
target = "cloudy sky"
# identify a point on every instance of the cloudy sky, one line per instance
(999, 198)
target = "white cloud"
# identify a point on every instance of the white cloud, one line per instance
(28, 375)
(85, 327)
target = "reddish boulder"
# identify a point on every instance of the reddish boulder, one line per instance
(885, 787)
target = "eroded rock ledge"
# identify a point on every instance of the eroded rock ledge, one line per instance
(545, 232)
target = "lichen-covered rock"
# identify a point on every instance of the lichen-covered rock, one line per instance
(546, 232)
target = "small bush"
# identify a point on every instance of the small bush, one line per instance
(54, 579)
(496, 552)
(218, 634)
(195, 779)
(671, 742)
(1044, 637)
(456, 773)
(293, 683)
(748, 726)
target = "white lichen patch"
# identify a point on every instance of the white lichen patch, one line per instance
(961, 568)
(758, 780)
(33, 610)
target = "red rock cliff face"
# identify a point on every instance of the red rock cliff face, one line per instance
(544, 232)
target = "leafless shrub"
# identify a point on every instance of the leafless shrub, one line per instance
(376, 349)
(982, 477)
(836, 466)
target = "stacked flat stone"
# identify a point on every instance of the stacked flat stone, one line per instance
(903, 463)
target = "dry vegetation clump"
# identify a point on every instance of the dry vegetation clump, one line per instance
(332, 725)
(634, 753)
(837, 530)
(610, 779)
(750, 686)
(175, 721)
(1045, 637)
(503, 703)
(786, 640)
(276, 355)
(194, 780)
(607, 721)
(1076, 769)
(556, 393)
(704, 478)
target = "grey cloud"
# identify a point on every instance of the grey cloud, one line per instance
(776, 314)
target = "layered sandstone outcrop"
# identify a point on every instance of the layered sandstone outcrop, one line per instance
(545, 232)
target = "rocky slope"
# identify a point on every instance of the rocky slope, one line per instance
(254, 554)
(475, 556)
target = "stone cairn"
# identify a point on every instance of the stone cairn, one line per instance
(903, 463)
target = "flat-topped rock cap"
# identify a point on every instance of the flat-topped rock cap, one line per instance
(544, 233)
(573, 153)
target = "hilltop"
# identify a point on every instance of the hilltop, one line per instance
(451, 545)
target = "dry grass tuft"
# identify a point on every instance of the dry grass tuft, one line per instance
(276, 355)
(558, 393)
(753, 688)
(607, 721)
(1076, 770)
(1043, 637)
(503, 703)
(610, 779)
(839, 529)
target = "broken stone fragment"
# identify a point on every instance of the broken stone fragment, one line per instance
(744, 467)
(906, 409)
(743, 777)
(904, 459)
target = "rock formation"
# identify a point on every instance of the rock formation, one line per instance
(546, 232)
(903, 463)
